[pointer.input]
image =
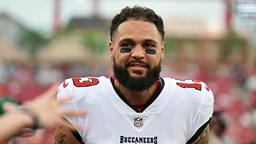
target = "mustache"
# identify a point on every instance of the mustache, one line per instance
(131, 63)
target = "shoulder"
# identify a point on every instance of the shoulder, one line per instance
(195, 90)
(78, 85)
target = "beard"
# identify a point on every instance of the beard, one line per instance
(136, 84)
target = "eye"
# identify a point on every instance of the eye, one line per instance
(150, 51)
(125, 49)
(149, 48)
(148, 45)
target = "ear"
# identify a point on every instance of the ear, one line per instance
(163, 49)
(110, 48)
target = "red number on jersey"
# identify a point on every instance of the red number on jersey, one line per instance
(195, 85)
(78, 82)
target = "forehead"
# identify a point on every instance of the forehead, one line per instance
(137, 29)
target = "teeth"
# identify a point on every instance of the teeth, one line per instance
(137, 65)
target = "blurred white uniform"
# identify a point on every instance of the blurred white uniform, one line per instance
(173, 117)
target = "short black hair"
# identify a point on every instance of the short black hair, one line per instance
(137, 13)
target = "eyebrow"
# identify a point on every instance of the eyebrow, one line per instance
(149, 41)
(127, 40)
(132, 41)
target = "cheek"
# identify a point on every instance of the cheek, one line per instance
(154, 60)
(122, 57)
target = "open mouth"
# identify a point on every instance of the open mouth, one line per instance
(138, 65)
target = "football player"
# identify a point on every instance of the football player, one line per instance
(136, 105)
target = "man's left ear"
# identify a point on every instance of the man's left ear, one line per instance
(163, 49)
(110, 48)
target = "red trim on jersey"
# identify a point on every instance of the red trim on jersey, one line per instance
(158, 85)
(139, 106)
(65, 84)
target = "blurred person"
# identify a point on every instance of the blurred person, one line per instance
(42, 112)
(136, 105)
(218, 127)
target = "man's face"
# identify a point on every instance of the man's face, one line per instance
(137, 50)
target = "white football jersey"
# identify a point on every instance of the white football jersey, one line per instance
(173, 117)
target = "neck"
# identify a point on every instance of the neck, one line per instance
(135, 97)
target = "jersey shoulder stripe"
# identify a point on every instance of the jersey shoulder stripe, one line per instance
(78, 85)
(196, 90)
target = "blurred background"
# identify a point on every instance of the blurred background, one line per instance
(47, 41)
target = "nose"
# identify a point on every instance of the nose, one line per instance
(138, 52)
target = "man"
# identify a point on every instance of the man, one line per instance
(136, 105)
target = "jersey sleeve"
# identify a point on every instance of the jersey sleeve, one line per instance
(203, 113)
(67, 88)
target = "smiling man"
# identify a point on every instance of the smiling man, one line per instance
(136, 105)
